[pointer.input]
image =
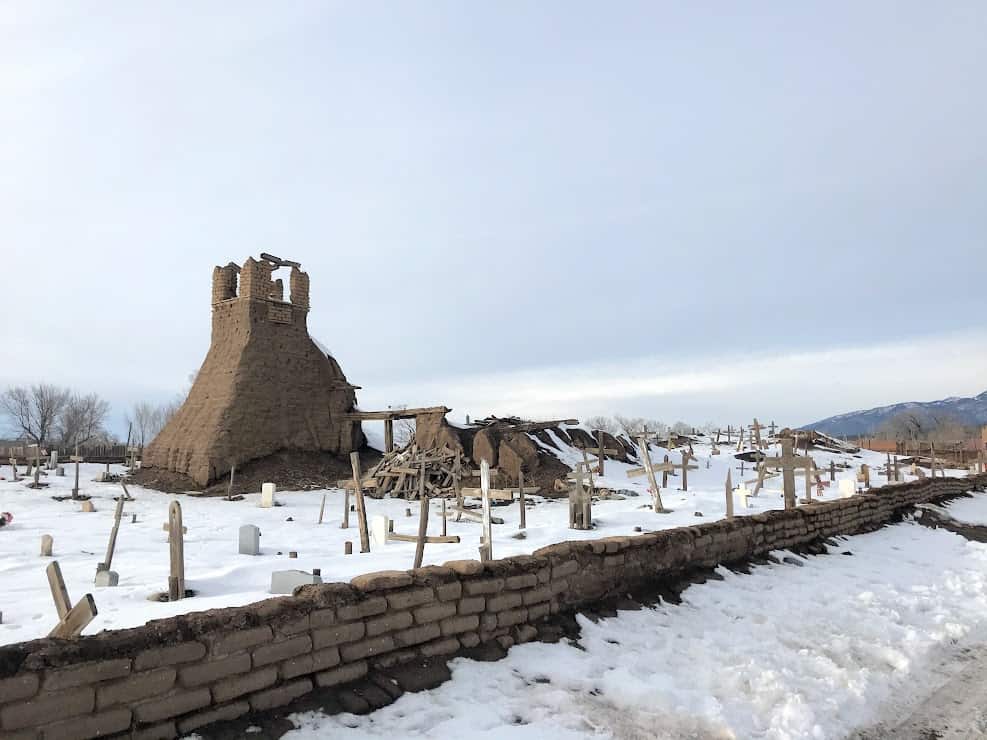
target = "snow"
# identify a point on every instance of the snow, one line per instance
(968, 510)
(221, 577)
(785, 652)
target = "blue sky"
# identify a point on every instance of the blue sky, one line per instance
(678, 210)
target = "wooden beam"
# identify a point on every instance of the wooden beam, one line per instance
(361, 509)
(77, 619)
(393, 413)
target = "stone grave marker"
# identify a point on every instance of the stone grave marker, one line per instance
(46, 545)
(267, 491)
(847, 488)
(248, 540)
(286, 581)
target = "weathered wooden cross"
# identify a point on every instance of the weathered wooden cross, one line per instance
(361, 509)
(729, 492)
(649, 470)
(771, 428)
(71, 619)
(756, 434)
(580, 499)
(788, 462)
(76, 458)
(685, 467)
(486, 541)
(111, 545)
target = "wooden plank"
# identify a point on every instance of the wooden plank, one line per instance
(176, 549)
(78, 617)
(520, 487)
(59, 593)
(486, 548)
(361, 509)
(430, 539)
(111, 545)
(422, 520)
(394, 413)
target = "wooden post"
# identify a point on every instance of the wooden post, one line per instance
(729, 488)
(642, 445)
(486, 547)
(664, 473)
(176, 548)
(347, 548)
(832, 471)
(520, 499)
(76, 459)
(346, 509)
(229, 488)
(686, 456)
(361, 510)
(388, 435)
(111, 545)
(46, 545)
(599, 440)
(589, 471)
(444, 533)
(322, 509)
(422, 516)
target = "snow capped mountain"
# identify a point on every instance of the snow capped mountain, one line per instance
(972, 411)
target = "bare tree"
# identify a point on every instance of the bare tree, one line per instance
(82, 419)
(603, 423)
(404, 432)
(34, 411)
(630, 425)
(680, 427)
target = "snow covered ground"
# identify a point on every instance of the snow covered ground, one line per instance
(222, 577)
(968, 510)
(786, 652)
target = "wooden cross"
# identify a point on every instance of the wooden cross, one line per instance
(422, 515)
(771, 428)
(686, 467)
(740, 440)
(520, 488)
(788, 462)
(649, 470)
(13, 468)
(71, 619)
(729, 433)
(176, 551)
(486, 544)
(741, 469)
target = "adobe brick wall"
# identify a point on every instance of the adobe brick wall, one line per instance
(174, 675)
(264, 386)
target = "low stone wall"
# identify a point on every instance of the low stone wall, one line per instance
(175, 675)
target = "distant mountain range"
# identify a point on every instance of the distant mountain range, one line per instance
(971, 411)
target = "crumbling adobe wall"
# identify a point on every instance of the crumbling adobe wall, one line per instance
(264, 386)
(173, 676)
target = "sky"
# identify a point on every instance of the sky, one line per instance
(684, 211)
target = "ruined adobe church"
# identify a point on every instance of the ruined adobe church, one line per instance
(264, 386)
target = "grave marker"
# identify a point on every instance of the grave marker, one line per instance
(76, 458)
(685, 467)
(847, 488)
(361, 509)
(249, 540)
(521, 508)
(649, 470)
(788, 462)
(486, 543)
(267, 491)
(46, 544)
(580, 500)
(176, 552)
(422, 515)
(105, 576)
(729, 492)
(71, 619)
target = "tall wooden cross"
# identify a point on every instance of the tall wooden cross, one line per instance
(361, 508)
(756, 434)
(740, 440)
(685, 467)
(788, 461)
(771, 428)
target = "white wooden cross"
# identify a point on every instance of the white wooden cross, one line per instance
(580, 499)
(486, 543)
(788, 461)
(71, 619)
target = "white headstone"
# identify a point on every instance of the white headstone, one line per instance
(267, 495)
(378, 530)
(847, 488)
(744, 493)
(249, 540)
(286, 581)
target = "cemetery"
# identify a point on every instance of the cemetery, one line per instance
(133, 609)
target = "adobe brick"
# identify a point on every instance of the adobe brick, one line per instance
(523, 580)
(163, 731)
(343, 674)
(446, 646)
(512, 617)
(337, 635)
(469, 640)
(219, 714)
(455, 625)
(278, 651)
(508, 600)
(366, 648)
(472, 605)
(537, 611)
(136, 687)
(242, 640)
(184, 652)
(416, 635)
(366, 608)
(61, 704)
(213, 670)
(85, 674)
(96, 725)
(382, 580)
(322, 618)
(483, 586)
(567, 568)
(536, 595)
(231, 688)
(19, 687)
(320, 660)
(434, 612)
(293, 626)
(409, 598)
(389, 623)
(449, 591)
(173, 705)
(278, 697)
